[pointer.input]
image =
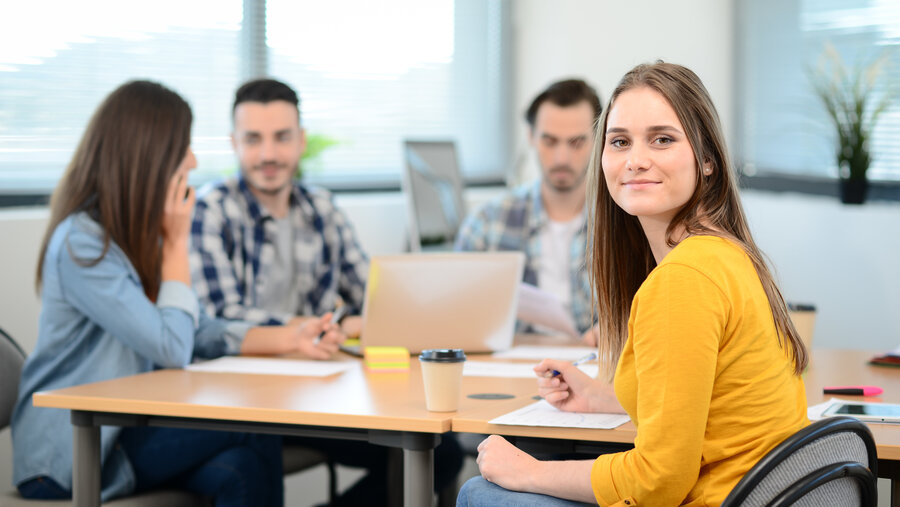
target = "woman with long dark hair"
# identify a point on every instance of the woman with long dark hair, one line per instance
(116, 300)
(695, 334)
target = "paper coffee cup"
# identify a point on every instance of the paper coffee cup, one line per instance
(442, 375)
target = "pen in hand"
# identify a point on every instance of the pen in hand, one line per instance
(336, 317)
(589, 357)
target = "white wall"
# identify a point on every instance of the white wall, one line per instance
(841, 258)
(601, 40)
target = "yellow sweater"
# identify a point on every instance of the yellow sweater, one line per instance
(703, 378)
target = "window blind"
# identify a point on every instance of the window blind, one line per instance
(784, 128)
(368, 75)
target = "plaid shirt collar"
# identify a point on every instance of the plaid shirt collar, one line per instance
(298, 198)
(539, 216)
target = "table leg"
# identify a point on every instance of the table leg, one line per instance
(418, 477)
(85, 461)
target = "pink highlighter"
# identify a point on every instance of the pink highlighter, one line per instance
(855, 390)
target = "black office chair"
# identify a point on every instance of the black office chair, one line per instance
(830, 462)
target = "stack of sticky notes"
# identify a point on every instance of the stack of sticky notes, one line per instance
(386, 359)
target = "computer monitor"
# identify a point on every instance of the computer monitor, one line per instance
(433, 187)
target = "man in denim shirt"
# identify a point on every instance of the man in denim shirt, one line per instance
(546, 219)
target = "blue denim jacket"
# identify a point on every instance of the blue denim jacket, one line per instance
(96, 323)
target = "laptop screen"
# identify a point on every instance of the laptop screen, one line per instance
(461, 300)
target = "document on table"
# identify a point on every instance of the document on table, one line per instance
(272, 366)
(542, 413)
(538, 352)
(512, 370)
(541, 308)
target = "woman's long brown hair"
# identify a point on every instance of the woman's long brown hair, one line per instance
(620, 255)
(120, 172)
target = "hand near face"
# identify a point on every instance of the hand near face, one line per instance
(505, 465)
(179, 203)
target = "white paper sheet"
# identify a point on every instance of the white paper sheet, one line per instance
(544, 309)
(542, 413)
(512, 370)
(273, 366)
(538, 352)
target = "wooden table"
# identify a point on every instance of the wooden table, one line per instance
(828, 367)
(386, 409)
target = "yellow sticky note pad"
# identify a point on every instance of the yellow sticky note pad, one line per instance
(386, 359)
(386, 354)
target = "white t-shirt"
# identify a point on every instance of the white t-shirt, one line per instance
(554, 273)
(278, 294)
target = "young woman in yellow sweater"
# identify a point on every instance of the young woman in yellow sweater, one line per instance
(697, 338)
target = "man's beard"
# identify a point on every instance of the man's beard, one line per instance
(271, 191)
(566, 187)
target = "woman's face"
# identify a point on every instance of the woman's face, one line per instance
(647, 160)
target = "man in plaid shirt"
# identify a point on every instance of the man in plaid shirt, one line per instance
(268, 249)
(546, 219)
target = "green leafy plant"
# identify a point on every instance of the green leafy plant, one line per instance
(853, 102)
(316, 144)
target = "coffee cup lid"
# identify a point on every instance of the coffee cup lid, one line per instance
(443, 355)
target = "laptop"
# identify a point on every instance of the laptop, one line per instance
(464, 300)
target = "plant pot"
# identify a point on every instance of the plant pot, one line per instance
(854, 191)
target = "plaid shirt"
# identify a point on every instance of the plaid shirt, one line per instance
(232, 249)
(513, 222)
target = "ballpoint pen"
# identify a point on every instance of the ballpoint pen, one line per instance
(589, 357)
(336, 317)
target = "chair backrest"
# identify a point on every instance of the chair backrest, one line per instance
(830, 462)
(12, 357)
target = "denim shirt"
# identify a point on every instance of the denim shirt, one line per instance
(96, 323)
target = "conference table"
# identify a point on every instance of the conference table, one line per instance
(383, 408)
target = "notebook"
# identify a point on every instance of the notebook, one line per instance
(464, 300)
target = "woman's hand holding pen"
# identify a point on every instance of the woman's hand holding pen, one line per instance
(573, 390)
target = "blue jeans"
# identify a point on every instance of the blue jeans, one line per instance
(234, 469)
(477, 492)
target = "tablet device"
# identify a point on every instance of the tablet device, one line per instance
(871, 412)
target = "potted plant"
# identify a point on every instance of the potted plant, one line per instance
(854, 104)
(310, 161)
